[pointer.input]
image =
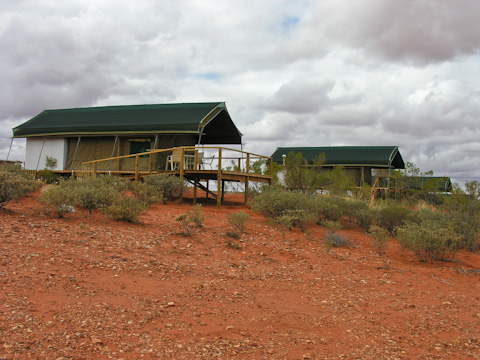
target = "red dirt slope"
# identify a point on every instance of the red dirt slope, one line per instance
(92, 288)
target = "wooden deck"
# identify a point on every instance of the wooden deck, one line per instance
(191, 166)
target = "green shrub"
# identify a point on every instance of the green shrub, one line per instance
(429, 240)
(170, 186)
(48, 176)
(331, 225)
(365, 217)
(335, 208)
(13, 185)
(194, 216)
(275, 202)
(148, 194)
(332, 239)
(467, 226)
(380, 239)
(126, 209)
(391, 214)
(58, 199)
(90, 197)
(238, 221)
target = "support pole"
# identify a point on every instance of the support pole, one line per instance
(10, 149)
(39, 157)
(137, 167)
(75, 154)
(247, 169)
(153, 156)
(113, 152)
(118, 155)
(182, 171)
(219, 179)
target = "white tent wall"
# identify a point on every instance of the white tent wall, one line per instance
(53, 147)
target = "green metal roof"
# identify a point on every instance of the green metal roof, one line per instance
(374, 156)
(210, 119)
(437, 183)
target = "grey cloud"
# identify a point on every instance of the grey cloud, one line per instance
(302, 95)
(418, 32)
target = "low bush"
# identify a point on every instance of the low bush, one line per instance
(276, 202)
(333, 239)
(335, 208)
(429, 240)
(148, 194)
(170, 186)
(238, 221)
(365, 218)
(58, 199)
(331, 225)
(467, 226)
(193, 217)
(391, 214)
(90, 197)
(14, 185)
(380, 239)
(48, 176)
(126, 209)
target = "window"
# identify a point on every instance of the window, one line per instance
(139, 146)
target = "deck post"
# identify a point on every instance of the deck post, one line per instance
(182, 171)
(219, 180)
(195, 179)
(247, 178)
(94, 169)
(137, 167)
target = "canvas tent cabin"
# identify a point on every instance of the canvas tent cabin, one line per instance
(358, 161)
(74, 136)
(429, 184)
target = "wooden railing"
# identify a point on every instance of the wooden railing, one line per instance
(241, 164)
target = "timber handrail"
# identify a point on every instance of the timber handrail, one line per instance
(248, 157)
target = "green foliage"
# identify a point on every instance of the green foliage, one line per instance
(58, 199)
(238, 221)
(170, 186)
(13, 185)
(467, 226)
(472, 188)
(429, 240)
(126, 209)
(50, 163)
(365, 217)
(196, 216)
(331, 225)
(147, 193)
(380, 239)
(275, 202)
(333, 239)
(337, 182)
(391, 214)
(259, 167)
(95, 193)
(48, 176)
(193, 217)
(302, 176)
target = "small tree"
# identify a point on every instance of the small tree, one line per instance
(473, 189)
(302, 176)
(50, 163)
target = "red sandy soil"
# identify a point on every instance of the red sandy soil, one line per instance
(87, 287)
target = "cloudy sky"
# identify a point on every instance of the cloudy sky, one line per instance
(292, 72)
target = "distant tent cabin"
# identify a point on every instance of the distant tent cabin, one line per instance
(429, 184)
(74, 136)
(358, 161)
